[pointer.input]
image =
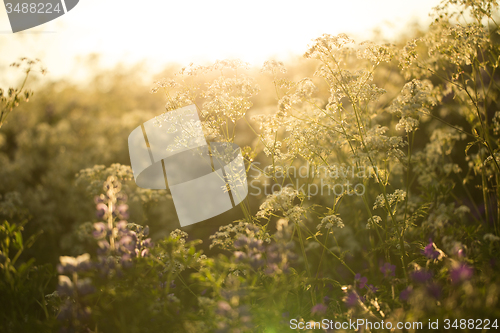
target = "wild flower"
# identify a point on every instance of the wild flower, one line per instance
(421, 276)
(70, 265)
(491, 238)
(362, 280)
(392, 199)
(374, 220)
(280, 201)
(414, 100)
(405, 293)
(319, 309)
(330, 221)
(388, 269)
(429, 251)
(421, 116)
(351, 299)
(434, 290)
(461, 273)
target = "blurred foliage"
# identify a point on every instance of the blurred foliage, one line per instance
(416, 236)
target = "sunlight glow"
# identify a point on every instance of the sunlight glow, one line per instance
(198, 31)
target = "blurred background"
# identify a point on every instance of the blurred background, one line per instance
(157, 33)
(102, 58)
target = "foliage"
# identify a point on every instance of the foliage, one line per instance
(383, 166)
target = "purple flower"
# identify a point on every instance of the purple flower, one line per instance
(223, 307)
(421, 276)
(122, 225)
(100, 230)
(388, 270)
(65, 286)
(103, 247)
(98, 200)
(241, 241)
(102, 209)
(271, 269)
(121, 211)
(84, 286)
(405, 293)
(351, 299)
(429, 251)
(319, 308)
(240, 255)
(461, 273)
(361, 279)
(127, 244)
(256, 260)
(147, 243)
(372, 288)
(434, 290)
(256, 244)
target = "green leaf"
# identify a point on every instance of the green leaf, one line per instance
(19, 239)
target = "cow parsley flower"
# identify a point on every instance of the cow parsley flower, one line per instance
(330, 221)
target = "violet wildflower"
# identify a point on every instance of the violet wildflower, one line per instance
(421, 276)
(429, 251)
(147, 243)
(239, 255)
(100, 230)
(319, 309)
(103, 247)
(388, 270)
(361, 279)
(65, 286)
(99, 199)
(256, 244)
(271, 269)
(84, 286)
(405, 293)
(241, 241)
(122, 226)
(256, 260)
(121, 211)
(434, 290)
(461, 273)
(351, 299)
(127, 244)
(101, 210)
(223, 307)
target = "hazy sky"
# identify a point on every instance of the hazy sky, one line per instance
(160, 31)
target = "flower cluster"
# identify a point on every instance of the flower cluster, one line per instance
(275, 257)
(281, 200)
(330, 221)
